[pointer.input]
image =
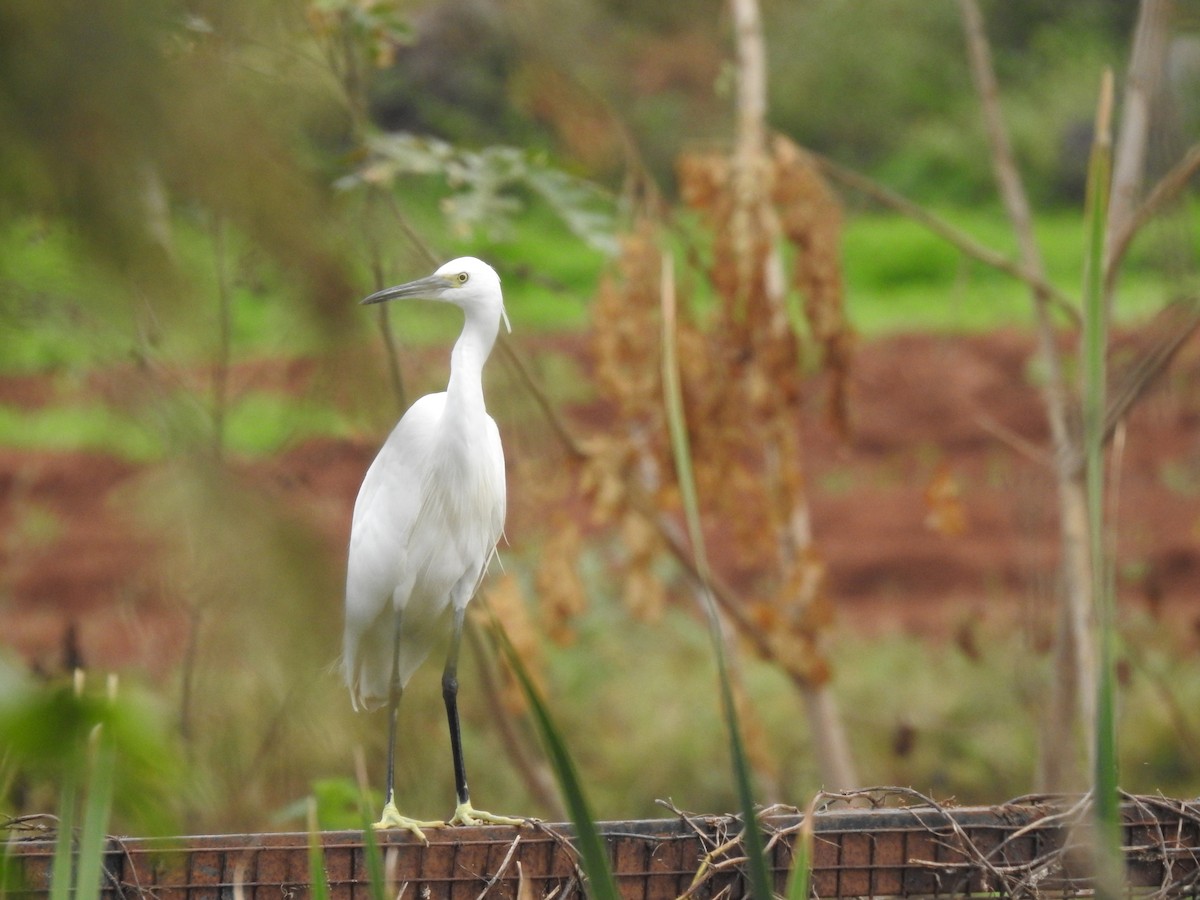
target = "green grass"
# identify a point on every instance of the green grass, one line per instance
(258, 424)
(58, 315)
(57, 312)
(92, 428)
(900, 277)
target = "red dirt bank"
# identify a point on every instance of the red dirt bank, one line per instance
(925, 409)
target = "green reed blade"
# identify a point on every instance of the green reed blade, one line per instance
(596, 864)
(760, 879)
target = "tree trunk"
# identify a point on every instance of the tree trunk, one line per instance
(752, 169)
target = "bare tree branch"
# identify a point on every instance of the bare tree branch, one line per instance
(1177, 324)
(962, 241)
(1072, 687)
(1129, 160)
(1170, 186)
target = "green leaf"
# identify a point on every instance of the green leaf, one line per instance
(61, 880)
(376, 876)
(800, 878)
(97, 809)
(756, 854)
(596, 864)
(486, 186)
(1095, 376)
(316, 856)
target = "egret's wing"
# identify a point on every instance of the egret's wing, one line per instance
(387, 514)
(497, 484)
(426, 523)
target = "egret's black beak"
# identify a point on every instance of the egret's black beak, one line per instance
(428, 288)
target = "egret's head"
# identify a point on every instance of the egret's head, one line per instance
(467, 282)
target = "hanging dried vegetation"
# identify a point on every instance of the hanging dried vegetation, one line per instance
(743, 383)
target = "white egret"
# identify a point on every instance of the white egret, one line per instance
(425, 527)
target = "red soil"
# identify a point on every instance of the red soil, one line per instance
(926, 409)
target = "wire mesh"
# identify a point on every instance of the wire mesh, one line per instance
(1036, 847)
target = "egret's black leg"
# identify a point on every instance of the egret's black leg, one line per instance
(464, 813)
(395, 690)
(450, 697)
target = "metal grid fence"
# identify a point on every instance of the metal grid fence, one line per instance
(1028, 848)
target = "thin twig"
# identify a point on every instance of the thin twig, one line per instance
(560, 428)
(1166, 190)
(499, 873)
(1073, 691)
(962, 241)
(564, 844)
(220, 374)
(1181, 321)
(1146, 64)
(386, 334)
(1006, 435)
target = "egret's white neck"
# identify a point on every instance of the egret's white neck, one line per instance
(470, 352)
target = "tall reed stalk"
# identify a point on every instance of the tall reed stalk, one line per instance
(590, 843)
(756, 860)
(1095, 375)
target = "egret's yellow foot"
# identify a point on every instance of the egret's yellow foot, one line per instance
(466, 814)
(392, 819)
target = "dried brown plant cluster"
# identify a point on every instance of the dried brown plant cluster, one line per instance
(742, 368)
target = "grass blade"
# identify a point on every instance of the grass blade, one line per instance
(601, 883)
(760, 879)
(800, 879)
(1095, 374)
(61, 880)
(96, 812)
(319, 881)
(372, 855)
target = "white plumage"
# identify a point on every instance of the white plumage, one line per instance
(426, 522)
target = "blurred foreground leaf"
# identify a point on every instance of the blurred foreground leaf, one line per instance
(114, 114)
(601, 883)
(59, 738)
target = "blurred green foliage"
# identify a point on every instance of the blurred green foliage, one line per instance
(111, 110)
(878, 84)
(48, 732)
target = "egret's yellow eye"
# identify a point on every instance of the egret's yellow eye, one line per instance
(462, 277)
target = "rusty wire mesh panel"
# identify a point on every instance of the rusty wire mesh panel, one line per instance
(1026, 849)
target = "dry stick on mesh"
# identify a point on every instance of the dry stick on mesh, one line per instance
(499, 873)
(1041, 867)
(717, 846)
(1012, 878)
(39, 822)
(1168, 851)
(1159, 848)
(711, 864)
(564, 843)
(976, 858)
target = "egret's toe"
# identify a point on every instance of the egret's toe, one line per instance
(466, 814)
(392, 819)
